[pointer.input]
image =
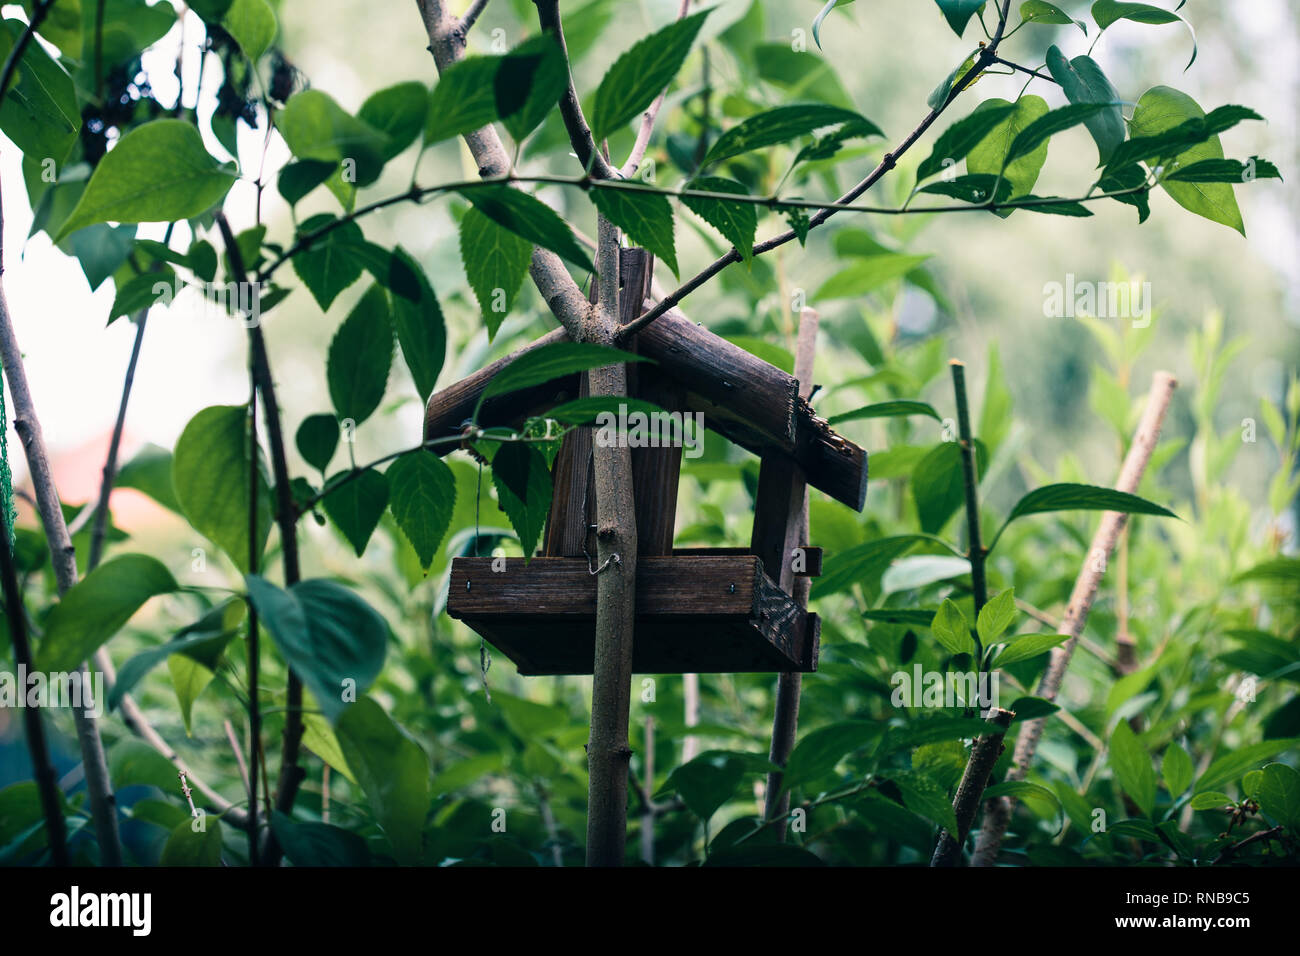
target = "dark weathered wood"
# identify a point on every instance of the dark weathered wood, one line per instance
(830, 462)
(450, 408)
(656, 472)
(812, 564)
(570, 517)
(778, 512)
(698, 614)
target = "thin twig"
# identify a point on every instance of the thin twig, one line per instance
(1229, 852)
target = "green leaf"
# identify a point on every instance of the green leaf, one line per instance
(360, 357)
(356, 506)
(1128, 177)
(418, 321)
(921, 570)
(938, 486)
(205, 640)
(317, 439)
(1039, 131)
(463, 99)
(961, 137)
(331, 638)
(62, 26)
(496, 261)
(252, 24)
(711, 779)
(639, 75)
(1030, 793)
(1031, 708)
(189, 678)
(899, 408)
(1279, 795)
(926, 798)
(95, 608)
(1211, 800)
(1106, 12)
(645, 216)
(150, 472)
(995, 412)
(1132, 766)
(1054, 206)
(973, 188)
(1231, 766)
(541, 365)
(1072, 497)
(523, 483)
(422, 497)
(782, 124)
(319, 844)
(316, 127)
(890, 615)
(298, 179)
(142, 292)
(1162, 108)
(951, 629)
(399, 112)
(959, 12)
(39, 112)
(529, 83)
(989, 155)
(1225, 171)
(1024, 647)
(861, 564)
(394, 775)
(1177, 770)
(996, 616)
(530, 218)
(185, 847)
(818, 752)
(939, 95)
(1285, 571)
(868, 273)
(1039, 11)
(330, 264)
(737, 221)
(1084, 82)
(585, 411)
(158, 172)
(210, 473)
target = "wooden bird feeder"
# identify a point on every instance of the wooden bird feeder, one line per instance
(698, 610)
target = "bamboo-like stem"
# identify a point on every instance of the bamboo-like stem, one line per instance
(983, 755)
(785, 719)
(291, 774)
(970, 484)
(254, 646)
(99, 789)
(997, 815)
(47, 783)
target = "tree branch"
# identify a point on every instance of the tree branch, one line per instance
(998, 813)
(584, 145)
(103, 805)
(887, 163)
(983, 755)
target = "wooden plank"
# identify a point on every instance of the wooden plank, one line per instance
(568, 522)
(778, 514)
(701, 614)
(811, 567)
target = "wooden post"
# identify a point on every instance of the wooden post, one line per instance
(785, 722)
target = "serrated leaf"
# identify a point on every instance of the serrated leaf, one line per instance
(356, 506)
(529, 82)
(523, 483)
(782, 124)
(417, 320)
(530, 218)
(737, 221)
(422, 493)
(496, 261)
(463, 99)
(360, 357)
(639, 75)
(328, 265)
(645, 216)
